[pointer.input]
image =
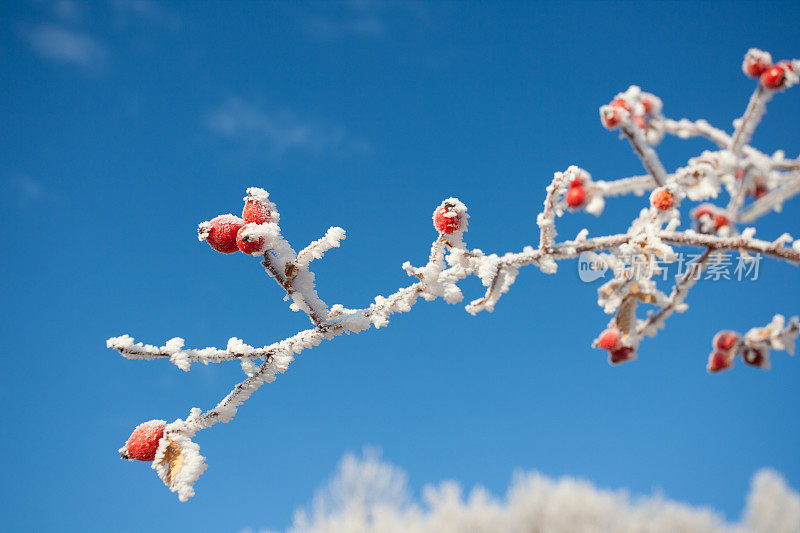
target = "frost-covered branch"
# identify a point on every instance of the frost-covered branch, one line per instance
(637, 257)
(772, 201)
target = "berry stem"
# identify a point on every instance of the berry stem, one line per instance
(771, 200)
(645, 152)
(751, 118)
(679, 292)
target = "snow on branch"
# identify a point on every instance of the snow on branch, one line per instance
(637, 257)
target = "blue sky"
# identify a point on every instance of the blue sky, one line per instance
(126, 123)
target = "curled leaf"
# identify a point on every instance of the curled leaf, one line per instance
(179, 463)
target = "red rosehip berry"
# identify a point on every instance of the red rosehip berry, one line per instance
(662, 199)
(719, 360)
(247, 243)
(760, 190)
(620, 355)
(725, 340)
(703, 209)
(610, 118)
(143, 442)
(446, 219)
(754, 357)
(220, 233)
(577, 181)
(640, 121)
(755, 64)
(619, 102)
(611, 115)
(647, 104)
(255, 211)
(609, 339)
(739, 174)
(575, 196)
(774, 77)
(720, 220)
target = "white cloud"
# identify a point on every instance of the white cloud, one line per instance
(66, 46)
(369, 495)
(277, 132)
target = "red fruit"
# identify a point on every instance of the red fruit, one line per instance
(143, 442)
(446, 219)
(719, 360)
(620, 355)
(610, 117)
(662, 199)
(576, 196)
(720, 220)
(255, 211)
(754, 357)
(703, 209)
(220, 233)
(774, 77)
(725, 340)
(739, 173)
(648, 105)
(577, 181)
(619, 102)
(761, 190)
(754, 66)
(609, 339)
(248, 244)
(639, 120)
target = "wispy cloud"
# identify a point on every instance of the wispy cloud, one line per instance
(330, 28)
(370, 495)
(146, 10)
(278, 132)
(356, 18)
(68, 11)
(63, 45)
(24, 190)
(366, 19)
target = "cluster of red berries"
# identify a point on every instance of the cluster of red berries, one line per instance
(447, 218)
(709, 216)
(611, 341)
(662, 199)
(143, 442)
(226, 233)
(576, 195)
(725, 346)
(758, 64)
(611, 115)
